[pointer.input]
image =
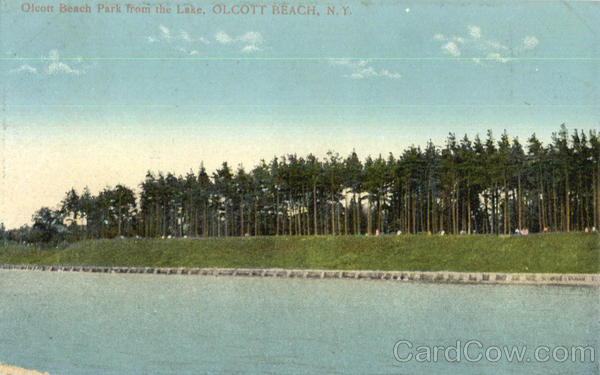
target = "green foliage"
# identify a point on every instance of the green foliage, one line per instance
(558, 252)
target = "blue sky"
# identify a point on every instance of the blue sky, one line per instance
(98, 99)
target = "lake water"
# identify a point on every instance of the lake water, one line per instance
(73, 323)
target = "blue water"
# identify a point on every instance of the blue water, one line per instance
(73, 323)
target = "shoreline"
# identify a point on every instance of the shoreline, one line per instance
(442, 277)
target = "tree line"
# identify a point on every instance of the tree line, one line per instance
(491, 186)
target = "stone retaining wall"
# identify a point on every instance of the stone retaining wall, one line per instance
(406, 276)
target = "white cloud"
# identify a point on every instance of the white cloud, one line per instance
(51, 65)
(194, 53)
(495, 45)
(363, 73)
(473, 43)
(56, 66)
(165, 32)
(251, 37)
(387, 73)
(185, 36)
(371, 72)
(166, 35)
(530, 42)
(248, 42)
(25, 68)
(250, 48)
(362, 69)
(60, 67)
(451, 48)
(251, 41)
(223, 38)
(475, 31)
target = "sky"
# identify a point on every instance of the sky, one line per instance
(99, 99)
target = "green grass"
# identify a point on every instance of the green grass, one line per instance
(557, 252)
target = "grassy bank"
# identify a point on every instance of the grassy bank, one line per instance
(559, 252)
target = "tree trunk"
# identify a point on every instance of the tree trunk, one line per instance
(519, 201)
(506, 228)
(157, 219)
(359, 214)
(598, 196)
(256, 223)
(218, 220)
(453, 204)
(354, 225)
(595, 196)
(442, 213)
(554, 202)
(414, 213)
(325, 220)
(542, 219)
(298, 220)
(580, 203)
(276, 214)
(290, 220)
(460, 214)
(434, 228)
(486, 213)
(346, 216)
(307, 215)
(332, 215)
(369, 219)
(249, 215)
(421, 223)
(378, 226)
(339, 222)
(204, 224)
(195, 221)
(495, 225)
(428, 208)
(232, 220)
(242, 219)
(468, 208)
(567, 206)
(315, 221)
(226, 222)
(406, 216)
